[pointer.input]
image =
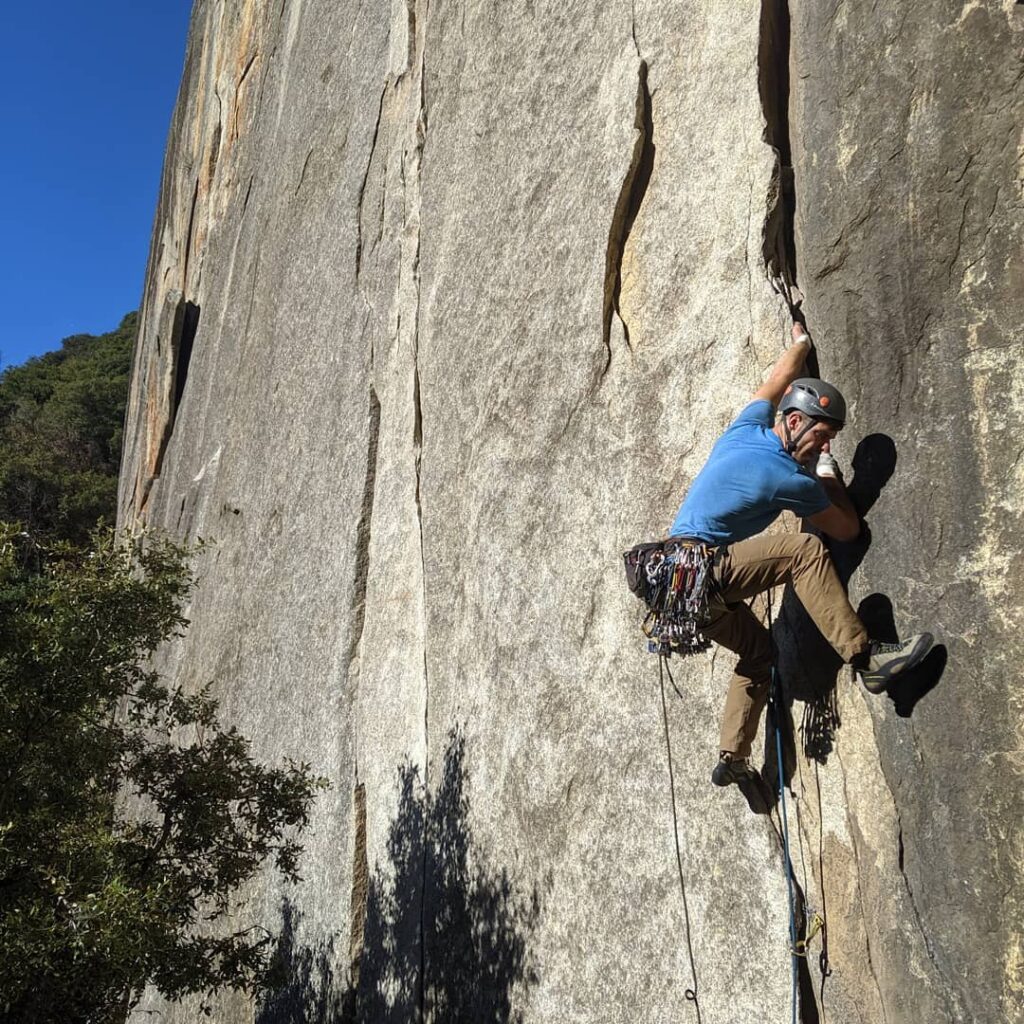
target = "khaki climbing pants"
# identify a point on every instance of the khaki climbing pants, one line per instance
(748, 568)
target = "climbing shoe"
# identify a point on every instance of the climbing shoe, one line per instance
(732, 769)
(881, 663)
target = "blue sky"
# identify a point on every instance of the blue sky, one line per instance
(86, 95)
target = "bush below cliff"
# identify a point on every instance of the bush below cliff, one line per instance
(61, 421)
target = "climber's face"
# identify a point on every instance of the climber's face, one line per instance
(817, 438)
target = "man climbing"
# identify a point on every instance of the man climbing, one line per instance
(757, 469)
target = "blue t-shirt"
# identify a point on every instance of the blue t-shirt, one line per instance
(746, 482)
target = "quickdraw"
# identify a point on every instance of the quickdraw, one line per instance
(674, 579)
(799, 947)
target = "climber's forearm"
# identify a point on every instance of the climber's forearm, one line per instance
(789, 366)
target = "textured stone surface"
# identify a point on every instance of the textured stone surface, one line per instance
(445, 306)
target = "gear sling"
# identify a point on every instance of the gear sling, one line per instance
(675, 579)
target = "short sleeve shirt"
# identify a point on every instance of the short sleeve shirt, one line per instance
(746, 482)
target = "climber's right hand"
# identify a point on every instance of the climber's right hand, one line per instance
(800, 336)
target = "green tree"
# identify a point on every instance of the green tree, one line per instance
(61, 425)
(128, 815)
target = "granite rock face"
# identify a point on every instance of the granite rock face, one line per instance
(446, 304)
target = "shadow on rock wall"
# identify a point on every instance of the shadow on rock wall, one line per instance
(308, 992)
(445, 936)
(808, 666)
(808, 670)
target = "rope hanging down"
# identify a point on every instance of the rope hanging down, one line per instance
(798, 947)
(674, 578)
(691, 993)
(773, 700)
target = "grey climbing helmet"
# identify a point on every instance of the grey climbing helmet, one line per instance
(815, 398)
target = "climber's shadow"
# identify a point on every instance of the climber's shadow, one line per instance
(875, 612)
(807, 666)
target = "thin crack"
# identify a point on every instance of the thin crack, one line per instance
(302, 175)
(359, 898)
(238, 93)
(188, 235)
(854, 833)
(247, 68)
(420, 24)
(948, 990)
(959, 238)
(366, 177)
(361, 559)
(252, 296)
(248, 192)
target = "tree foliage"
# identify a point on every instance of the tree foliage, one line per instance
(61, 424)
(129, 816)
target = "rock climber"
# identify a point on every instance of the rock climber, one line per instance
(758, 468)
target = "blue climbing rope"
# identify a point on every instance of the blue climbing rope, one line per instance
(785, 839)
(776, 708)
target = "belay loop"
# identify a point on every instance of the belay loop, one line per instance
(674, 579)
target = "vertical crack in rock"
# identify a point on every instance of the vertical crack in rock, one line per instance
(807, 1006)
(214, 152)
(417, 441)
(252, 292)
(949, 992)
(188, 236)
(866, 919)
(302, 173)
(245, 71)
(806, 1003)
(779, 240)
(410, 28)
(183, 357)
(362, 555)
(360, 888)
(631, 197)
(362, 184)
(418, 25)
(184, 325)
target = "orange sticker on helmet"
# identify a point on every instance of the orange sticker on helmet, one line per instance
(824, 401)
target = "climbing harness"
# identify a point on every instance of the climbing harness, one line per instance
(674, 579)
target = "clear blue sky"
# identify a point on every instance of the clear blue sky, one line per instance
(86, 96)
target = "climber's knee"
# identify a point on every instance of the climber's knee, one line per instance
(809, 549)
(810, 545)
(755, 661)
